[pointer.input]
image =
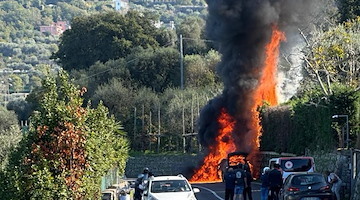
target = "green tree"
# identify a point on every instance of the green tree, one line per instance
(116, 97)
(332, 56)
(157, 69)
(103, 37)
(192, 30)
(67, 150)
(349, 9)
(7, 120)
(198, 73)
(10, 135)
(16, 83)
(101, 74)
(289, 124)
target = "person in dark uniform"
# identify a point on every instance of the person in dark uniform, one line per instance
(249, 178)
(275, 182)
(229, 178)
(240, 183)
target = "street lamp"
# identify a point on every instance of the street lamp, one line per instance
(347, 127)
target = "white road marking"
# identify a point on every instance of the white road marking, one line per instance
(211, 191)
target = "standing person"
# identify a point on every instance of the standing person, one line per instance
(229, 178)
(335, 182)
(265, 183)
(138, 190)
(123, 195)
(240, 183)
(249, 179)
(276, 182)
(141, 182)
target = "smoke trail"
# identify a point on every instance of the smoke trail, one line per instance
(242, 28)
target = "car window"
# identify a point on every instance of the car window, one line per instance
(170, 186)
(296, 165)
(287, 180)
(308, 180)
(106, 196)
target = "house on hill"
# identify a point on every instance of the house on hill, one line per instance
(122, 5)
(56, 28)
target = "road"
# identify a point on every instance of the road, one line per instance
(215, 191)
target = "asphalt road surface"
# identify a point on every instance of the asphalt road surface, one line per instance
(216, 191)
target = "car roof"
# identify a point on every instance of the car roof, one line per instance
(305, 173)
(109, 190)
(164, 178)
(294, 157)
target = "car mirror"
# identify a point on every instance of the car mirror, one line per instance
(196, 190)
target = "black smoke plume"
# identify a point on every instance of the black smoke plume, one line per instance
(242, 28)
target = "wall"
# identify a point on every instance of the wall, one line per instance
(162, 164)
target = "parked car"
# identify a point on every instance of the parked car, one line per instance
(293, 165)
(306, 186)
(169, 187)
(109, 194)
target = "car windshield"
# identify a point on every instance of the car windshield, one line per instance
(106, 196)
(296, 165)
(308, 179)
(170, 186)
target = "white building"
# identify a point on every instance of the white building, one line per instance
(122, 5)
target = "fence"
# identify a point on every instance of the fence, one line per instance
(111, 178)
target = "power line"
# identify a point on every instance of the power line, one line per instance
(106, 70)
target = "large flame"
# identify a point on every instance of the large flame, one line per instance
(265, 92)
(224, 144)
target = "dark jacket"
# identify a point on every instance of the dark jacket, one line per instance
(249, 178)
(265, 180)
(229, 179)
(275, 178)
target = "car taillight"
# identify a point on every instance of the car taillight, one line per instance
(326, 187)
(293, 189)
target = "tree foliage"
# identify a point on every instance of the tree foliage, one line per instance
(8, 120)
(157, 69)
(349, 9)
(306, 123)
(67, 149)
(10, 134)
(192, 29)
(103, 37)
(200, 71)
(332, 56)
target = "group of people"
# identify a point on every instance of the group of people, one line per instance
(238, 183)
(271, 181)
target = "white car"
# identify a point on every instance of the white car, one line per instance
(169, 187)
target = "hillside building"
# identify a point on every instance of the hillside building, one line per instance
(56, 28)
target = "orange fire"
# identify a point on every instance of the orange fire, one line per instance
(265, 92)
(224, 145)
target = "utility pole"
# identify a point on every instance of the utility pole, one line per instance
(134, 124)
(183, 129)
(150, 131)
(159, 131)
(181, 63)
